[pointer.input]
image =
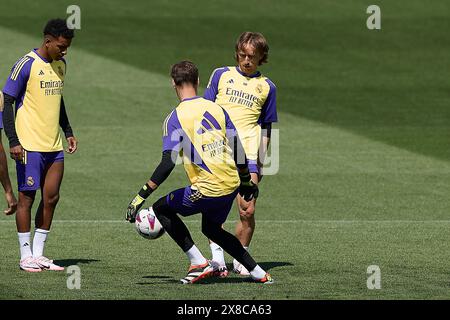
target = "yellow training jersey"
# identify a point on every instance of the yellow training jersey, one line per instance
(198, 129)
(37, 86)
(249, 100)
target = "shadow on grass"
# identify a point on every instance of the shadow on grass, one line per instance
(271, 264)
(71, 262)
(232, 277)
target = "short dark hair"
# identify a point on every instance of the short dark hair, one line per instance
(184, 72)
(257, 40)
(57, 28)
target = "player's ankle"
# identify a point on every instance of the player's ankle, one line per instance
(217, 253)
(258, 272)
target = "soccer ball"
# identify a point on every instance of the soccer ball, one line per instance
(147, 225)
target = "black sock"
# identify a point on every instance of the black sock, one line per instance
(172, 224)
(228, 242)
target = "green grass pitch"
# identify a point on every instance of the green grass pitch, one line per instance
(364, 124)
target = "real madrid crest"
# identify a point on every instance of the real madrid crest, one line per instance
(30, 181)
(259, 88)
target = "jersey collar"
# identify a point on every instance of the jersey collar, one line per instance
(256, 74)
(187, 99)
(43, 59)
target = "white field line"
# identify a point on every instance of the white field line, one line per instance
(258, 221)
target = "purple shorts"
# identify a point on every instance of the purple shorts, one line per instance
(30, 172)
(186, 202)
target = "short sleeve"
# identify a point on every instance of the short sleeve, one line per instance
(213, 85)
(269, 109)
(18, 78)
(172, 133)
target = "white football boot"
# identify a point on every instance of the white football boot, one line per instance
(220, 271)
(48, 264)
(29, 264)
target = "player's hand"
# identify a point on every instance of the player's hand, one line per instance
(72, 145)
(248, 190)
(17, 153)
(246, 208)
(133, 208)
(12, 203)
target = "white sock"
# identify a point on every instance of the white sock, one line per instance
(257, 273)
(24, 243)
(40, 236)
(217, 253)
(195, 256)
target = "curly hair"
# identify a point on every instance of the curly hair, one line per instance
(58, 28)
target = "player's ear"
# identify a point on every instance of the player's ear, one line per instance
(198, 81)
(173, 83)
(47, 41)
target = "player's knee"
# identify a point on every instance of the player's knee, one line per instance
(211, 230)
(52, 201)
(158, 204)
(160, 207)
(25, 204)
(207, 232)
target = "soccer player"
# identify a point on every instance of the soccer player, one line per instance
(36, 85)
(250, 100)
(4, 176)
(200, 131)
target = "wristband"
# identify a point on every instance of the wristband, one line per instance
(245, 177)
(145, 192)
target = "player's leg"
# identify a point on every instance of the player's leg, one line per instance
(212, 221)
(166, 209)
(245, 227)
(6, 182)
(23, 223)
(50, 185)
(218, 259)
(28, 181)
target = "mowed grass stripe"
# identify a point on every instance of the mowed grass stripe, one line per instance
(327, 162)
(327, 173)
